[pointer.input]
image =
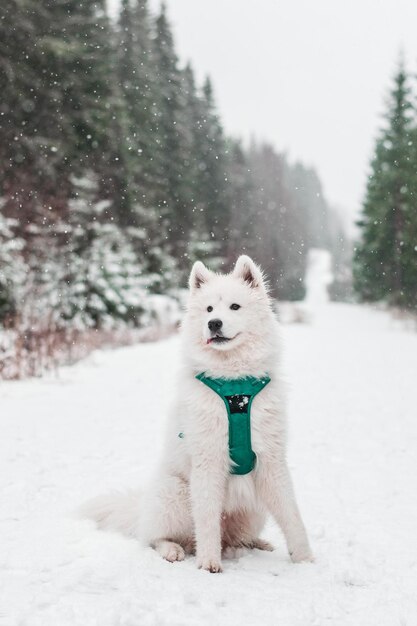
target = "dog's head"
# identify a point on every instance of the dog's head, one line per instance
(227, 311)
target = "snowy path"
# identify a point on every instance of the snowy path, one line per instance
(353, 453)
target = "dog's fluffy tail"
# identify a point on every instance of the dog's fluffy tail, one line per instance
(117, 511)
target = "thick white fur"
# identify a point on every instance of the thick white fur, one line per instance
(194, 503)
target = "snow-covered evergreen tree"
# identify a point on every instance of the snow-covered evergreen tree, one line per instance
(13, 270)
(386, 257)
(103, 283)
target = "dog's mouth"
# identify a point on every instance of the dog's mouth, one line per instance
(218, 339)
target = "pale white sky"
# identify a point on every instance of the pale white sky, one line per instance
(310, 76)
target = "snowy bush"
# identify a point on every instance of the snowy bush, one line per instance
(103, 282)
(12, 269)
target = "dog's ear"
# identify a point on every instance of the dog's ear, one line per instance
(248, 271)
(199, 275)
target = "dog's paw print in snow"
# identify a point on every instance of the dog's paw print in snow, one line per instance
(352, 578)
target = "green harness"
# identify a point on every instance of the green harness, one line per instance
(238, 395)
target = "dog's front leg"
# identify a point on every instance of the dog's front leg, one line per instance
(207, 495)
(277, 492)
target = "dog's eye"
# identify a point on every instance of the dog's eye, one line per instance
(209, 309)
(235, 307)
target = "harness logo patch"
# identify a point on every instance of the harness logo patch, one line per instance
(238, 403)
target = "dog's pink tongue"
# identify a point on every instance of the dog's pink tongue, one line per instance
(209, 340)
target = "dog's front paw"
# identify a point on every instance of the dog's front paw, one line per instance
(210, 565)
(302, 554)
(170, 551)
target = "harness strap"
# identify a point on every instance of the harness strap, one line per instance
(237, 395)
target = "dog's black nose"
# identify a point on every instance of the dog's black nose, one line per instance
(215, 325)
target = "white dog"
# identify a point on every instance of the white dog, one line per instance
(224, 466)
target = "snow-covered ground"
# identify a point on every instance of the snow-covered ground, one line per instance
(353, 453)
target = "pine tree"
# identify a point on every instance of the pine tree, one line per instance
(212, 170)
(310, 205)
(240, 191)
(79, 52)
(280, 227)
(409, 248)
(198, 244)
(171, 131)
(385, 259)
(134, 73)
(29, 157)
